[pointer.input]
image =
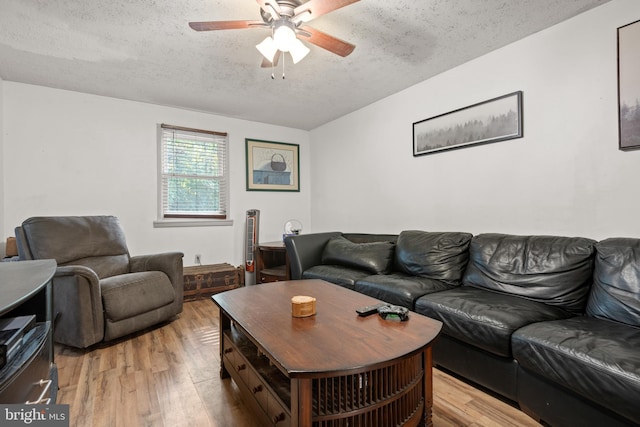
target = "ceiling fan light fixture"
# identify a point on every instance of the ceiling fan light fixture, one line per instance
(298, 51)
(267, 48)
(284, 37)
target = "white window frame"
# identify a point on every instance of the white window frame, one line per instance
(188, 220)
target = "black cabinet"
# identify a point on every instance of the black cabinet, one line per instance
(30, 376)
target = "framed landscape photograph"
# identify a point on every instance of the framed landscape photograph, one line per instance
(629, 86)
(272, 166)
(497, 119)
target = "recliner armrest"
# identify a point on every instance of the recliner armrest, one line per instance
(79, 318)
(170, 263)
(23, 248)
(79, 270)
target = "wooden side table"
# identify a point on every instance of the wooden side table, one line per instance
(272, 262)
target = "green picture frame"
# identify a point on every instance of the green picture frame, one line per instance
(272, 166)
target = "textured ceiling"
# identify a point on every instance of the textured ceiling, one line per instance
(144, 50)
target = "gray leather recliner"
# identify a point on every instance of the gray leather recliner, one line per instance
(100, 292)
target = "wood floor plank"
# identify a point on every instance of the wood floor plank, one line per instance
(149, 412)
(170, 376)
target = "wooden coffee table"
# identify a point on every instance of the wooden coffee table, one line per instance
(331, 369)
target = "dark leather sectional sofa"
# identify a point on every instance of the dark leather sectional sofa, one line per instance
(550, 323)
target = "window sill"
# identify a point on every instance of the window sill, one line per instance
(165, 223)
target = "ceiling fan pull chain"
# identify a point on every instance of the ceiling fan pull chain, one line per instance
(273, 65)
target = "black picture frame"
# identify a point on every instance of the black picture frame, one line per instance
(497, 119)
(629, 86)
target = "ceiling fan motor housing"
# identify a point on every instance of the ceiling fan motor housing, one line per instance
(286, 9)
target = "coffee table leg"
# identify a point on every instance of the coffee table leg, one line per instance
(428, 386)
(225, 325)
(301, 402)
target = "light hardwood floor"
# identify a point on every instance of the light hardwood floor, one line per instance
(169, 376)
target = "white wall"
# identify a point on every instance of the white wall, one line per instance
(2, 161)
(68, 153)
(566, 176)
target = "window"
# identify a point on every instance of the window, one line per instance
(193, 173)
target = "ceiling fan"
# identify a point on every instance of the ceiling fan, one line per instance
(287, 20)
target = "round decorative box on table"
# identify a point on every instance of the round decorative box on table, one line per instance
(303, 306)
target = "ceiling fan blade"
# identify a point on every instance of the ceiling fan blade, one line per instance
(225, 25)
(315, 8)
(271, 7)
(267, 64)
(325, 41)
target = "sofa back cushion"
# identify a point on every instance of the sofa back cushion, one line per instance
(96, 242)
(374, 257)
(553, 270)
(435, 255)
(615, 294)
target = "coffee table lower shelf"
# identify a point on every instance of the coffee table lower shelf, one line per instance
(390, 394)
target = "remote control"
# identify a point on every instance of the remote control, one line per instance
(370, 309)
(394, 312)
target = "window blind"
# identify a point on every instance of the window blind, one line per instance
(193, 173)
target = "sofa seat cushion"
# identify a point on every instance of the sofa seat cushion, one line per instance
(338, 274)
(374, 257)
(131, 294)
(483, 318)
(595, 358)
(399, 288)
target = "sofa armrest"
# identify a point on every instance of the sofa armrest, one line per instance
(170, 263)
(305, 251)
(77, 305)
